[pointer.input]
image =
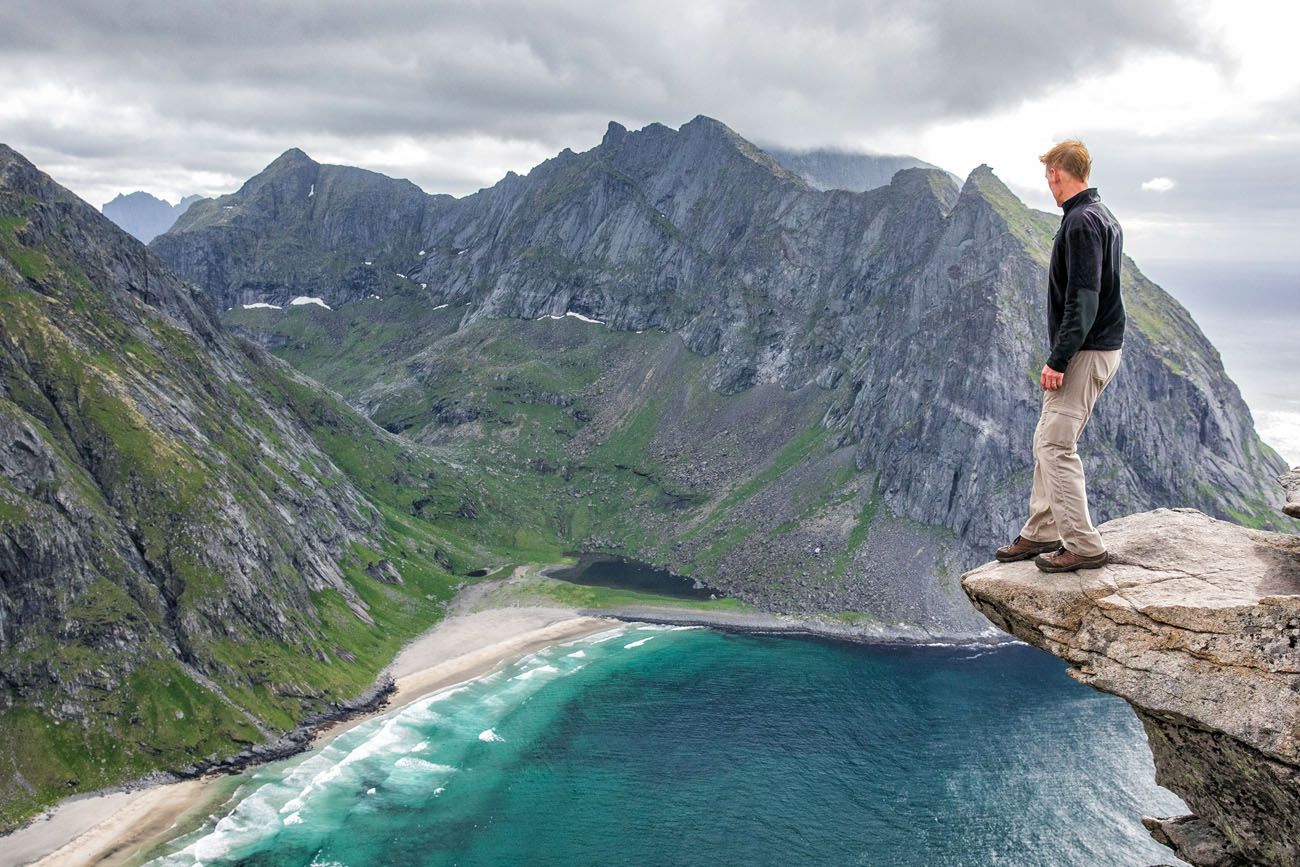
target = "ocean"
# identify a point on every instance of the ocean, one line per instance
(657, 745)
(1250, 311)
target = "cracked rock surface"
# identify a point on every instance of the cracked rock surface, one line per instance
(1195, 623)
(1291, 481)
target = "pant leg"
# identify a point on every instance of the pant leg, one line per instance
(1057, 466)
(1041, 525)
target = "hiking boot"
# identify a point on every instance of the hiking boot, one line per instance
(1023, 549)
(1066, 560)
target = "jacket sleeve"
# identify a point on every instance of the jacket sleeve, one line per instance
(1082, 292)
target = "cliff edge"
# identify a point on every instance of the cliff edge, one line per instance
(1195, 623)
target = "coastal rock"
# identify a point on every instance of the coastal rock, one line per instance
(1291, 481)
(1196, 623)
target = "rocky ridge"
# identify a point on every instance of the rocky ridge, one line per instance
(1196, 624)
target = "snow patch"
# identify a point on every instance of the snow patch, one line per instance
(440, 306)
(570, 313)
(257, 304)
(312, 191)
(309, 299)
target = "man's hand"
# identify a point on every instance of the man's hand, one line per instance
(1050, 379)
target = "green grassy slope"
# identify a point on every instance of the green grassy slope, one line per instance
(198, 546)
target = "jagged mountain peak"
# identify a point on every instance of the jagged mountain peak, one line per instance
(711, 129)
(701, 142)
(984, 196)
(291, 167)
(614, 132)
(291, 158)
(920, 181)
(984, 181)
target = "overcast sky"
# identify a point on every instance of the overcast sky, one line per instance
(1191, 109)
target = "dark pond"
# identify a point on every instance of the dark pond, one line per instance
(620, 573)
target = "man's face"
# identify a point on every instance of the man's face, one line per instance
(1054, 184)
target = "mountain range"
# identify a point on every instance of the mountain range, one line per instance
(683, 351)
(221, 511)
(143, 215)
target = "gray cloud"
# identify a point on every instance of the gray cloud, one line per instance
(176, 87)
(1236, 195)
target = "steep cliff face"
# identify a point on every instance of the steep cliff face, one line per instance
(1195, 623)
(192, 535)
(859, 387)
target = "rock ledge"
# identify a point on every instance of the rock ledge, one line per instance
(1195, 623)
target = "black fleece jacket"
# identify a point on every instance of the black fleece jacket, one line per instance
(1084, 307)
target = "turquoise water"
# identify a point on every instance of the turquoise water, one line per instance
(652, 745)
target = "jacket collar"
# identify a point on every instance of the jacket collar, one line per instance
(1088, 195)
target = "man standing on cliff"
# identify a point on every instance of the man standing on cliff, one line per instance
(1085, 327)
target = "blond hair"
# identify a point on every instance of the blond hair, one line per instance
(1069, 156)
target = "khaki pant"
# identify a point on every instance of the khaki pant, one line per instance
(1058, 503)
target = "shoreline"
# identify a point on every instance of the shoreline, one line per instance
(793, 626)
(117, 828)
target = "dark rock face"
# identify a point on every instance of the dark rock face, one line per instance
(300, 228)
(145, 216)
(828, 169)
(911, 316)
(1195, 624)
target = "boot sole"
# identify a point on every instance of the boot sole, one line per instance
(1089, 564)
(1001, 558)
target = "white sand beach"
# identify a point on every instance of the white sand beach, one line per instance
(115, 828)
